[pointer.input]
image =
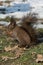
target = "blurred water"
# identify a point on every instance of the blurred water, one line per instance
(16, 8)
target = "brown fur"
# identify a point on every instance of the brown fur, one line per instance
(25, 34)
(26, 25)
(22, 36)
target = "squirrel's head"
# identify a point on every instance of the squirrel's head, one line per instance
(13, 23)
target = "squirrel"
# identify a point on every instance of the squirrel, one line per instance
(19, 34)
(25, 34)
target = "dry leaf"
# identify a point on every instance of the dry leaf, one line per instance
(18, 52)
(33, 53)
(5, 58)
(39, 58)
(7, 48)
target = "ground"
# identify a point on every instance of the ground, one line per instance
(17, 56)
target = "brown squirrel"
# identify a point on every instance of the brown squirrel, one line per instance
(25, 34)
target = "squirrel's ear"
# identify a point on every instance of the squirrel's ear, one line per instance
(12, 20)
(12, 23)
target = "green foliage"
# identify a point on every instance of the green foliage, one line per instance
(40, 30)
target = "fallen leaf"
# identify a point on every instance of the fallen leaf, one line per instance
(7, 48)
(39, 58)
(33, 53)
(5, 58)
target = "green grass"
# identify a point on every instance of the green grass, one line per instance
(26, 58)
(40, 30)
